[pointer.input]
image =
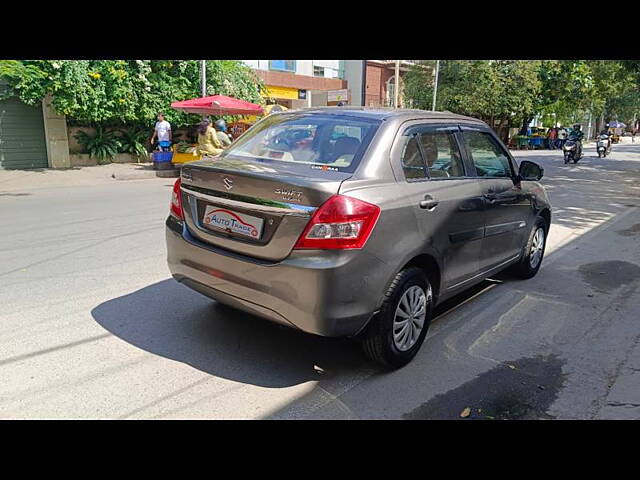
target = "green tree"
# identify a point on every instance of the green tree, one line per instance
(116, 92)
(500, 92)
(511, 93)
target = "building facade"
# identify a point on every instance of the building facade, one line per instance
(305, 83)
(302, 83)
(381, 82)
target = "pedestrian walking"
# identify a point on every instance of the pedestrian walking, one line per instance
(552, 135)
(633, 135)
(162, 131)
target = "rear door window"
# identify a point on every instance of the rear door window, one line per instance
(431, 152)
(441, 154)
(489, 159)
(412, 161)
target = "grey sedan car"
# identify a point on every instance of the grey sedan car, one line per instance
(356, 222)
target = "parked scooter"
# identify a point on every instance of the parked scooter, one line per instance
(603, 146)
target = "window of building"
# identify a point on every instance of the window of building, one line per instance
(391, 88)
(283, 65)
(318, 71)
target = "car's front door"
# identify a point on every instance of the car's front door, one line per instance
(447, 201)
(507, 207)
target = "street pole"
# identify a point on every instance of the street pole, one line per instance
(203, 77)
(364, 84)
(203, 80)
(589, 131)
(435, 86)
(397, 85)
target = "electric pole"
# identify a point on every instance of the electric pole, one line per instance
(203, 80)
(203, 77)
(397, 85)
(435, 86)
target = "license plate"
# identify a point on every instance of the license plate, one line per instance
(226, 220)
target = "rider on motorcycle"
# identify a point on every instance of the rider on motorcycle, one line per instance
(578, 135)
(605, 136)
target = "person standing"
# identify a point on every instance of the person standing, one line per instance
(551, 138)
(162, 131)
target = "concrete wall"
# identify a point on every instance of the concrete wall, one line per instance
(55, 131)
(353, 75)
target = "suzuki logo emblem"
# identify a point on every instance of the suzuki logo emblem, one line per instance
(228, 183)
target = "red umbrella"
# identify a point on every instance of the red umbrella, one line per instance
(217, 105)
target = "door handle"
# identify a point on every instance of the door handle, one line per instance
(429, 203)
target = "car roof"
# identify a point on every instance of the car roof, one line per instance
(382, 113)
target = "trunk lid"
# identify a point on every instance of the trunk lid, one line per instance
(255, 208)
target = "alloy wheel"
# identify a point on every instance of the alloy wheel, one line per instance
(537, 247)
(409, 318)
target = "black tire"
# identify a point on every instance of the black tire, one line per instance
(377, 340)
(566, 159)
(523, 268)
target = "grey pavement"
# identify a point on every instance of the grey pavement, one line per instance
(15, 180)
(92, 325)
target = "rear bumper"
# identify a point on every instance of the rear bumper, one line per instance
(328, 293)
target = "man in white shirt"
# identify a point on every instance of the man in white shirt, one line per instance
(162, 130)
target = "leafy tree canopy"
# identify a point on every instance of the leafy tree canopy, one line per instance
(515, 91)
(113, 92)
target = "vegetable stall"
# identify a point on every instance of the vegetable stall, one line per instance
(216, 105)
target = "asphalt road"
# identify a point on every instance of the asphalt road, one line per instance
(93, 326)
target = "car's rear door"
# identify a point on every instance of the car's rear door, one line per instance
(507, 206)
(447, 202)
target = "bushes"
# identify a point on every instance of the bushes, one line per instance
(133, 141)
(105, 144)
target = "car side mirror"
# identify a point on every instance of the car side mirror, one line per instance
(530, 171)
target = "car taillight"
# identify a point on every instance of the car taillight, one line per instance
(176, 201)
(340, 223)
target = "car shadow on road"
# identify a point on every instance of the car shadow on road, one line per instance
(172, 321)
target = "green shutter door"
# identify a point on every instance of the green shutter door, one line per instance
(22, 140)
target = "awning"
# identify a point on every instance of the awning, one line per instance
(217, 105)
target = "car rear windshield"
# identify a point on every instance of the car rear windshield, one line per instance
(323, 142)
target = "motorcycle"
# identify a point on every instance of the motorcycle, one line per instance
(572, 149)
(603, 146)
